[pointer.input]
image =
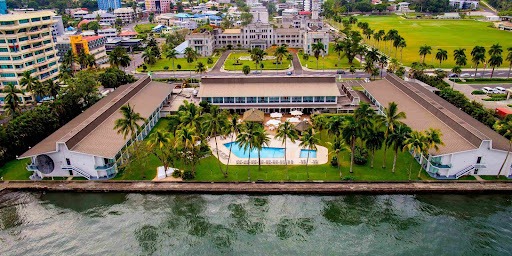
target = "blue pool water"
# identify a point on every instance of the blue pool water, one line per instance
(304, 153)
(265, 152)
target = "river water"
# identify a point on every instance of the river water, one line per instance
(147, 224)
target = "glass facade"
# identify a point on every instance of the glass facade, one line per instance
(270, 100)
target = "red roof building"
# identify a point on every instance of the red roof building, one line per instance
(503, 112)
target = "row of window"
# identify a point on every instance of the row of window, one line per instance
(263, 100)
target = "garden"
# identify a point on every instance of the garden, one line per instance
(180, 64)
(330, 61)
(237, 60)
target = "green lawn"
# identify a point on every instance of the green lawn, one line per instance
(208, 169)
(144, 28)
(231, 60)
(15, 170)
(445, 34)
(330, 61)
(185, 66)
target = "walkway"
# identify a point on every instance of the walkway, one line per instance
(262, 188)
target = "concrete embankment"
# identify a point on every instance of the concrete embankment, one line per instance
(261, 188)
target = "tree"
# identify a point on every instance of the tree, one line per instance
(279, 53)
(163, 147)
(459, 55)
(286, 131)
(69, 60)
(317, 49)
(495, 49)
(149, 56)
(456, 70)
(261, 139)
(349, 134)
(257, 55)
(118, 57)
(246, 18)
(151, 17)
(232, 128)
(378, 36)
(372, 55)
(215, 124)
(505, 127)
(424, 50)
(305, 56)
(200, 68)
(509, 59)
(51, 88)
(374, 139)
(402, 44)
(12, 101)
(392, 118)
(337, 147)
(94, 25)
(246, 140)
(441, 55)
(171, 54)
(191, 55)
(128, 124)
(29, 83)
(477, 56)
(187, 139)
(397, 140)
(309, 141)
(417, 143)
(495, 61)
(383, 60)
(246, 69)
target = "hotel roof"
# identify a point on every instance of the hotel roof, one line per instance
(92, 132)
(268, 86)
(425, 110)
(25, 15)
(232, 31)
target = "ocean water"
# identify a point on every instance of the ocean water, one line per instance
(165, 224)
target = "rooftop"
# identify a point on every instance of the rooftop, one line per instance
(232, 31)
(91, 38)
(128, 33)
(425, 110)
(25, 15)
(92, 132)
(268, 86)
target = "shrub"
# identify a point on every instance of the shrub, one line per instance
(348, 178)
(177, 174)
(178, 66)
(334, 161)
(477, 92)
(144, 67)
(360, 155)
(188, 175)
(166, 67)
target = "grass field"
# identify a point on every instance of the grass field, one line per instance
(330, 61)
(267, 64)
(144, 28)
(185, 66)
(445, 34)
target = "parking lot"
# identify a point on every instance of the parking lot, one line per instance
(468, 88)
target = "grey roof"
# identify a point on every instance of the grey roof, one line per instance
(92, 132)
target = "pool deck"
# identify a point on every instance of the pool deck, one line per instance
(327, 188)
(292, 153)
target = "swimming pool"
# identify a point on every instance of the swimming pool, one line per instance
(304, 153)
(266, 152)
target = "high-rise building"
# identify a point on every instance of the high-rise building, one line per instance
(26, 44)
(3, 7)
(107, 5)
(158, 6)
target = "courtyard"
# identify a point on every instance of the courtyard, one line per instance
(237, 60)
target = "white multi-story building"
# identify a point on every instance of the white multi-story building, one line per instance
(465, 4)
(26, 44)
(202, 43)
(103, 17)
(78, 15)
(127, 15)
(108, 32)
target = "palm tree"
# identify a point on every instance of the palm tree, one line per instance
(257, 56)
(477, 56)
(495, 49)
(456, 70)
(505, 127)
(246, 69)
(495, 61)
(374, 139)
(317, 49)
(372, 55)
(161, 142)
(190, 115)
(441, 55)
(391, 119)
(378, 36)
(232, 127)
(383, 60)
(246, 140)
(308, 141)
(424, 50)
(261, 139)
(29, 83)
(149, 56)
(402, 44)
(509, 59)
(417, 143)
(459, 55)
(171, 54)
(284, 132)
(69, 60)
(51, 88)
(397, 139)
(11, 100)
(337, 147)
(335, 125)
(339, 47)
(128, 124)
(90, 61)
(280, 52)
(119, 57)
(433, 139)
(349, 135)
(200, 68)
(187, 139)
(215, 124)
(396, 43)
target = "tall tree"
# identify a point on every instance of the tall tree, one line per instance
(12, 101)
(459, 55)
(30, 83)
(505, 127)
(392, 118)
(317, 48)
(232, 128)
(337, 146)
(286, 131)
(128, 125)
(349, 135)
(118, 57)
(495, 61)
(417, 143)
(441, 55)
(215, 124)
(51, 88)
(279, 53)
(171, 54)
(200, 68)
(187, 139)
(424, 50)
(509, 59)
(374, 139)
(477, 56)
(245, 140)
(397, 140)
(261, 139)
(257, 55)
(309, 141)
(149, 56)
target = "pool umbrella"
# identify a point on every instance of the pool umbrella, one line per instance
(273, 122)
(254, 115)
(302, 126)
(276, 115)
(293, 120)
(296, 113)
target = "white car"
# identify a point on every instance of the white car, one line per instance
(465, 75)
(500, 90)
(488, 90)
(477, 75)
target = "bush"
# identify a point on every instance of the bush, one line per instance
(360, 155)
(177, 174)
(478, 92)
(334, 161)
(178, 66)
(144, 67)
(348, 178)
(188, 175)
(166, 67)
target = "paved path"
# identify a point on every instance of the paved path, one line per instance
(263, 188)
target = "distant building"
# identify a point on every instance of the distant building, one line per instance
(158, 6)
(79, 14)
(104, 17)
(107, 5)
(108, 32)
(94, 45)
(3, 7)
(202, 43)
(465, 4)
(128, 34)
(58, 27)
(128, 43)
(127, 15)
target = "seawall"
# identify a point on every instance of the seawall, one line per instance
(459, 187)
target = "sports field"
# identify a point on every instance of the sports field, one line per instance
(445, 34)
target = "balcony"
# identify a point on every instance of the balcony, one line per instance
(441, 166)
(31, 168)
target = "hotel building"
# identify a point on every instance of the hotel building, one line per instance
(94, 45)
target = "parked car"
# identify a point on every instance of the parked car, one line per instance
(477, 75)
(488, 90)
(340, 72)
(465, 75)
(256, 72)
(453, 75)
(289, 73)
(500, 89)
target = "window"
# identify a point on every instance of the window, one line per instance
(35, 19)
(25, 47)
(217, 100)
(307, 99)
(7, 75)
(251, 99)
(41, 60)
(12, 41)
(319, 99)
(4, 50)
(9, 32)
(22, 30)
(240, 99)
(23, 21)
(208, 99)
(296, 99)
(5, 23)
(16, 58)
(46, 17)
(229, 100)
(2, 41)
(18, 66)
(330, 99)
(273, 99)
(262, 99)
(22, 39)
(5, 58)
(285, 99)
(30, 63)
(5, 66)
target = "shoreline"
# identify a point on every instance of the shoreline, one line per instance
(326, 188)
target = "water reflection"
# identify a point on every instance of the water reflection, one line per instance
(87, 203)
